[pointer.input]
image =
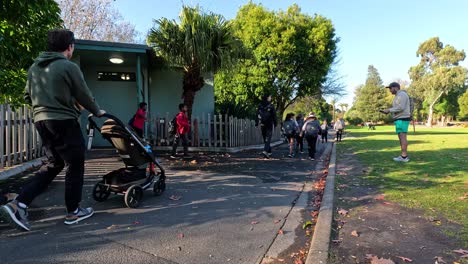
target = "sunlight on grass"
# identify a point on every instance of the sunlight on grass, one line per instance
(436, 178)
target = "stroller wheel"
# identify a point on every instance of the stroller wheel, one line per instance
(133, 196)
(100, 192)
(159, 187)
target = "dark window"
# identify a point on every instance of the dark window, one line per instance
(116, 76)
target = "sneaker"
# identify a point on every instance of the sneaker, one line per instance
(401, 159)
(290, 156)
(310, 158)
(173, 157)
(17, 216)
(188, 157)
(302, 152)
(265, 154)
(82, 214)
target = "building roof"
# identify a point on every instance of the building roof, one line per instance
(83, 44)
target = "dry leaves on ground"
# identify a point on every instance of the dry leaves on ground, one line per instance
(376, 260)
(180, 235)
(342, 211)
(281, 232)
(174, 197)
(380, 197)
(439, 260)
(112, 227)
(277, 221)
(355, 233)
(254, 222)
(193, 162)
(405, 259)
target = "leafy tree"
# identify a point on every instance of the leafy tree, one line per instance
(96, 20)
(23, 34)
(463, 103)
(437, 73)
(202, 43)
(292, 54)
(308, 104)
(371, 97)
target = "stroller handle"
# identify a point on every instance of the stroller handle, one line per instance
(107, 115)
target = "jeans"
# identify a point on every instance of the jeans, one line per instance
(324, 136)
(311, 142)
(267, 133)
(64, 145)
(175, 144)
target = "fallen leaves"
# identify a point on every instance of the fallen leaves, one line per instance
(136, 222)
(439, 260)
(111, 227)
(376, 260)
(254, 222)
(462, 252)
(405, 259)
(342, 212)
(306, 224)
(380, 197)
(355, 233)
(277, 221)
(174, 197)
(281, 232)
(193, 162)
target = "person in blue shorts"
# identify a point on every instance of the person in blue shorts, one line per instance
(401, 115)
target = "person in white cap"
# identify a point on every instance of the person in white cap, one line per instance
(310, 130)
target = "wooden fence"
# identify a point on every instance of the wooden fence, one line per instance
(19, 141)
(211, 131)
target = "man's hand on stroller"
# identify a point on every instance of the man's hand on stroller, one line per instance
(101, 113)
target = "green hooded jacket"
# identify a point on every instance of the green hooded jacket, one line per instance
(55, 85)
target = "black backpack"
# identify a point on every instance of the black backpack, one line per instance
(312, 128)
(290, 128)
(130, 122)
(172, 128)
(264, 114)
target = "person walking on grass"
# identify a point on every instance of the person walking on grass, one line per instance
(339, 128)
(299, 138)
(56, 88)
(139, 119)
(324, 133)
(310, 130)
(183, 128)
(266, 118)
(291, 129)
(401, 114)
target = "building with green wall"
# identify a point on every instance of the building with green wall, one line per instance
(136, 77)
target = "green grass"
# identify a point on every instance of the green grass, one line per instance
(434, 179)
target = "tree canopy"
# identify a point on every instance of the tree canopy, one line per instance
(200, 44)
(23, 34)
(370, 98)
(96, 20)
(438, 73)
(291, 55)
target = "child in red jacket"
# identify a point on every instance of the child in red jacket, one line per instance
(183, 128)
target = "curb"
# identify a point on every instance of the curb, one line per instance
(13, 171)
(294, 218)
(318, 251)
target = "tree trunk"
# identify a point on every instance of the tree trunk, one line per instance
(431, 110)
(192, 83)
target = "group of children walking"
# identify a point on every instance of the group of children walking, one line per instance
(296, 129)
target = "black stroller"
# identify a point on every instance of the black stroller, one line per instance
(139, 172)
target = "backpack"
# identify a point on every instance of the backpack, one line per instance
(312, 129)
(290, 128)
(130, 122)
(172, 128)
(264, 114)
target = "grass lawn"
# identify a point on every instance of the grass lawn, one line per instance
(435, 179)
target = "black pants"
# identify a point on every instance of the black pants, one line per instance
(175, 144)
(300, 143)
(311, 142)
(339, 134)
(324, 136)
(267, 133)
(138, 131)
(63, 143)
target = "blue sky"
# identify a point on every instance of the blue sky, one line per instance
(384, 33)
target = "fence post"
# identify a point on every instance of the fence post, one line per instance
(215, 131)
(209, 129)
(220, 130)
(2, 136)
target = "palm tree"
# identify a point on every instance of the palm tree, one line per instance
(200, 44)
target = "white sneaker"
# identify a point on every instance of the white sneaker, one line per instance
(401, 159)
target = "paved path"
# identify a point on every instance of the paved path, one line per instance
(227, 213)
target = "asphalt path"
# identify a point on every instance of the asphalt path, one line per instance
(216, 209)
